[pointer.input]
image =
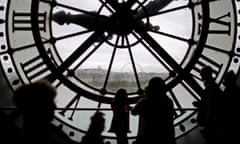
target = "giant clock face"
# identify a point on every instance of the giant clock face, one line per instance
(89, 49)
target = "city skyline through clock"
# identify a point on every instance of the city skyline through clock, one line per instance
(89, 49)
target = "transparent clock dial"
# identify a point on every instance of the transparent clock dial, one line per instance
(101, 47)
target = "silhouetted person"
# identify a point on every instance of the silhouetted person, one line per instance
(231, 114)
(156, 112)
(120, 119)
(140, 121)
(36, 102)
(96, 127)
(211, 108)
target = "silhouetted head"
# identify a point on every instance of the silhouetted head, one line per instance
(36, 101)
(97, 124)
(156, 85)
(230, 78)
(206, 73)
(121, 96)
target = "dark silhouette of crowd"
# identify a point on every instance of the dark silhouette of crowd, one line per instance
(218, 108)
(217, 113)
(37, 105)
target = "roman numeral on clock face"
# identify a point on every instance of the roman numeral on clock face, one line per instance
(204, 61)
(22, 21)
(221, 24)
(35, 68)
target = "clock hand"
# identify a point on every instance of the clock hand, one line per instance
(152, 8)
(94, 21)
(91, 21)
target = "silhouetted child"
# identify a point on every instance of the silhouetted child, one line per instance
(36, 102)
(120, 119)
(96, 127)
(156, 112)
(231, 114)
(211, 108)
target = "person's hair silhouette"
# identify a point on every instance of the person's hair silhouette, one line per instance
(120, 119)
(36, 101)
(156, 115)
(37, 105)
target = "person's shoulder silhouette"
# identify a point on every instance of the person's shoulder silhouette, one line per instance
(37, 105)
(95, 129)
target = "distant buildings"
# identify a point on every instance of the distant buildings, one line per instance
(97, 77)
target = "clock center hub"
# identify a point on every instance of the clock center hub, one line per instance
(123, 21)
